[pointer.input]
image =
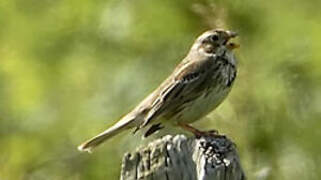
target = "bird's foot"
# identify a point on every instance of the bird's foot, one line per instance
(198, 133)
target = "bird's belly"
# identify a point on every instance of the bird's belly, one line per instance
(202, 105)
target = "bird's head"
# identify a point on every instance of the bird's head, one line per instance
(213, 41)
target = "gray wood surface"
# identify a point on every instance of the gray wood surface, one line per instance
(181, 158)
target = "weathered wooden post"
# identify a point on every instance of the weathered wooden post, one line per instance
(181, 158)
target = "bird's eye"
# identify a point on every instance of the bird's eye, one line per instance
(214, 37)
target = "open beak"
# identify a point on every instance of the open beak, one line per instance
(231, 45)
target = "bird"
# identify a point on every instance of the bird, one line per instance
(198, 84)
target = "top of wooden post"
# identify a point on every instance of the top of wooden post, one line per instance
(181, 158)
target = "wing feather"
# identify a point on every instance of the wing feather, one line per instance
(177, 90)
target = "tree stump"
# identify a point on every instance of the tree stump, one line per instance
(181, 158)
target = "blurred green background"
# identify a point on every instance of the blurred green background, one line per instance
(69, 69)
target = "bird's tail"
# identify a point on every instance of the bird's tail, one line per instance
(121, 125)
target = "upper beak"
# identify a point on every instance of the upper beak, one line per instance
(232, 34)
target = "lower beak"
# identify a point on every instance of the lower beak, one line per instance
(232, 46)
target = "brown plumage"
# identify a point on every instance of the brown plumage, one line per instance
(197, 86)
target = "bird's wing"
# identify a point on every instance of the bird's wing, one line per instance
(178, 89)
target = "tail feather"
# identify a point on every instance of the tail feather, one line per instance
(102, 137)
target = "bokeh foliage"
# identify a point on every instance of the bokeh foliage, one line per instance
(69, 69)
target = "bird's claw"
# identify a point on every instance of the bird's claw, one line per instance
(198, 134)
(211, 133)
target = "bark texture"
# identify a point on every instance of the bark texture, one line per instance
(181, 158)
